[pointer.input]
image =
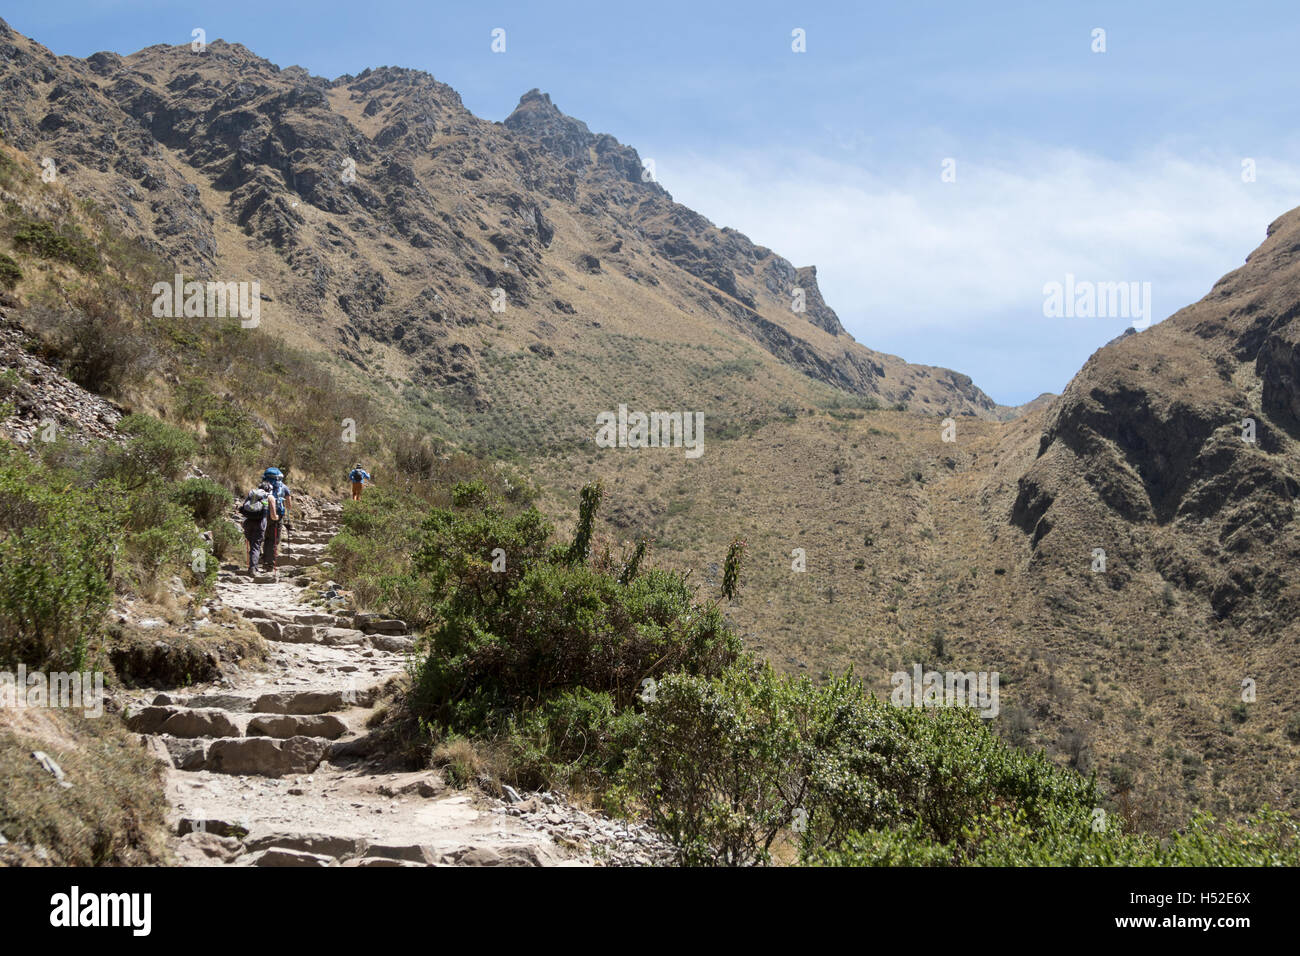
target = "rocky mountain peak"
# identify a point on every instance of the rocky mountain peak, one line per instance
(536, 116)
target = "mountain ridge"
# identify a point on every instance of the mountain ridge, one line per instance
(382, 216)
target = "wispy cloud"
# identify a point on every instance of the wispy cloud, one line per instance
(907, 259)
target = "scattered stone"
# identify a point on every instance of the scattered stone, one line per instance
(48, 764)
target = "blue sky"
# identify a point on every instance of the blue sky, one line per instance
(1117, 166)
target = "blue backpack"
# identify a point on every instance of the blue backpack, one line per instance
(281, 492)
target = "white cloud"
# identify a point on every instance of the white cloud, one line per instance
(902, 256)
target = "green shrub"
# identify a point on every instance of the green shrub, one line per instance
(232, 436)
(720, 764)
(153, 449)
(206, 499)
(56, 565)
(227, 541)
(1001, 837)
(161, 537)
(10, 384)
(372, 553)
(724, 765)
(577, 739)
(66, 244)
(97, 344)
(10, 274)
(510, 639)
(539, 652)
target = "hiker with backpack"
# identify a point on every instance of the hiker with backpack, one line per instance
(277, 522)
(256, 509)
(358, 477)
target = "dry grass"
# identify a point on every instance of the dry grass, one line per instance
(113, 814)
(911, 558)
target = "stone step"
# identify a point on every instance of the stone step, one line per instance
(304, 702)
(393, 643)
(378, 624)
(286, 633)
(256, 756)
(236, 574)
(324, 726)
(184, 722)
(278, 857)
(296, 702)
(319, 618)
(264, 756)
(234, 703)
(211, 722)
(331, 636)
(296, 561)
(323, 844)
(343, 637)
(323, 849)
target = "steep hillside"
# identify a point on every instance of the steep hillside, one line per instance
(1185, 435)
(981, 553)
(516, 278)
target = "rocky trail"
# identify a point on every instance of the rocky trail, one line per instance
(275, 768)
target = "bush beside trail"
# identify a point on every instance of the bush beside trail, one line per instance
(550, 663)
(87, 522)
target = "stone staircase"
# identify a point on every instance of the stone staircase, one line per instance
(272, 770)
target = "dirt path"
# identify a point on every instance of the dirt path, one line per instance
(272, 770)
